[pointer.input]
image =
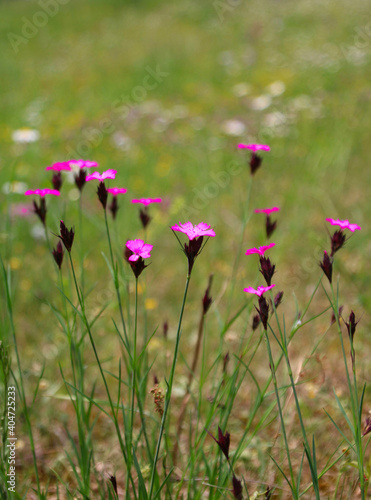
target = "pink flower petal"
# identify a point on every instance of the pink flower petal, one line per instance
(344, 224)
(259, 291)
(192, 232)
(139, 249)
(254, 147)
(82, 163)
(266, 211)
(115, 190)
(59, 166)
(261, 250)
(147, 201)
(42, 192)
(108, 174)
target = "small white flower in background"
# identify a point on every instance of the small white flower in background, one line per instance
(276, 88)
(14, 187)
(121, 141)
(274, 119)
(25, 135)
(261, 102)
(38, 232)
(241, 89)
(233, 127)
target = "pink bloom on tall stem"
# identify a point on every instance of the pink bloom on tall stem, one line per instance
(115, 191)
(108, 174)
(266, 211)
(147, 201)
(344, 224)
(63, 165)
(254, 147)
(192, 232)
(139, 249)
(259, 291)
(261, 250)
(82, 164)
(42, 192)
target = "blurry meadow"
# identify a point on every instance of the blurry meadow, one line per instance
(163, 92)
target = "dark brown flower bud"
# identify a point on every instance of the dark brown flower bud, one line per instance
(223, 441)
(192, 250)
(57, 181)
(113, 207)
(102, 194)
(326, 266)
(278, 299)
(263, 311)
(80, 179)
(255, 162)
(337, 241)
(267, 269)
(333, 318)
(114, 483)
(367, 427)
(66, 236)
(207, 300)
(351, 325)
(270, 226)
(255, 322)
(40, 210)
(237, 488)
(144, 217)
(58, 254)
(165, 329)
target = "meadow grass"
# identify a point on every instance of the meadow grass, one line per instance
(291, 75)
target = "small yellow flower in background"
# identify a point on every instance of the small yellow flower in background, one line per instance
(26, 285)
(163, 166)
(151, 304)
(15, 263)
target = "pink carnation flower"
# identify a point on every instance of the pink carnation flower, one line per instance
(139, 249)
(147, 201)
(259, 291)
(108, 174)
(82, 163)
(266, 211)
(254, 147)
(192, 232)
(344, 224)
(259, 250)
(64, 165)
(115, 191)
(42, 192)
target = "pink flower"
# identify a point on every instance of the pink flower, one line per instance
(254, 147)
(259, 291)
(147, 201)
(139, 249)
(266, 211)
(259, 250)
(108, 174)
(81, 163)
(201, 229)
(344, 224)
(42, 192)
(115, 191)
(64, 165)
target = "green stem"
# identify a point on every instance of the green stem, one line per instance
(82, 306)
(283, 428)
(169, 389)
(22, 392)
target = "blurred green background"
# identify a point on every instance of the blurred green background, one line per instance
(163, 92)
